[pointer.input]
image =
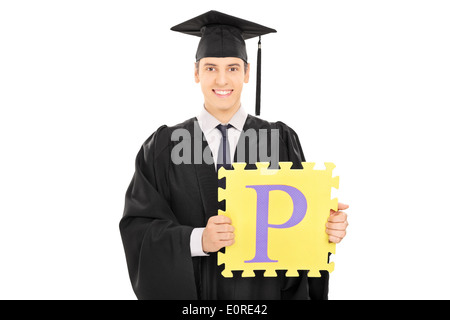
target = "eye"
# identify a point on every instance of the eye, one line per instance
(210, 69)
(232, 69)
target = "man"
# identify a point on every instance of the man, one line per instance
(170, 227)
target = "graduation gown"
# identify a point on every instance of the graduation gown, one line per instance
(165, 201)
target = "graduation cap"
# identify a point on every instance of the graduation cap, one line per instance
(223, 36)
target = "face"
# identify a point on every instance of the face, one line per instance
(222, 80)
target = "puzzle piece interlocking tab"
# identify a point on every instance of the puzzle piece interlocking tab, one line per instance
(279, 216)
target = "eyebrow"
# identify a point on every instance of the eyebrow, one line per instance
(215, 65)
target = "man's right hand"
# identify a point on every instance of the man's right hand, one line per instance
(218, 233)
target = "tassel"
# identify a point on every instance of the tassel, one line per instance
(258, 81)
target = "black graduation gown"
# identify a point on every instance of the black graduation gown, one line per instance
(163, 204)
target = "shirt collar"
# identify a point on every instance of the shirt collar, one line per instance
(238, 119)
(208, 122)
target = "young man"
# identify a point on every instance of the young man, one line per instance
(170, 228)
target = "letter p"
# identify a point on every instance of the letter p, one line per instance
(262, 216)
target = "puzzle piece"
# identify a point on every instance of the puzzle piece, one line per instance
(279, 217)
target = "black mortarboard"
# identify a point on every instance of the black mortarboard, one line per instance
(223, 36)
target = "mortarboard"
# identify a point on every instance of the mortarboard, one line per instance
(223, 36)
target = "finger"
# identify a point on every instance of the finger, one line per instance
(226, 236)
(220, 219)
(335, 233)
(225, 227)
(338, 217)
(334, 239)
(337, 225)
(227, 243)
(341, 206)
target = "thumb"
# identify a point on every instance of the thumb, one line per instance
(341, 206)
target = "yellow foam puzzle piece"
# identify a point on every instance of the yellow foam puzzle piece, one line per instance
(271, 230)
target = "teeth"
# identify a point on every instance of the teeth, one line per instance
(221, 92)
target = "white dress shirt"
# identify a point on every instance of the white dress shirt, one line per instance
(208, 124)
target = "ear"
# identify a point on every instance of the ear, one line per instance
(197, 78)
(247, 74)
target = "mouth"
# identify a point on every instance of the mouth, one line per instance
(222, 93)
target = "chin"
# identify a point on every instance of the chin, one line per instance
(225, 106)
(220, 105)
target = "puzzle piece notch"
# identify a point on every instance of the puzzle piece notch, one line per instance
(262, 165)
(316, 273)
(221, 173)
(239, 165)
(227, 273)
(220, 258)
(270, 273)
(221, 213)
(334, 204)
(248, 273)
(292, 273)
(221, 194)
(285, 165)
(335, 182)
(329, 166)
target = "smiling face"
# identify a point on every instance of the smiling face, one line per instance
(222, 80)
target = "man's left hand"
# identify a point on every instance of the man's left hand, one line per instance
(337, 224)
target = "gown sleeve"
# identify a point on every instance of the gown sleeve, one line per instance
(294, 149)
(318, 287)
(157, 246)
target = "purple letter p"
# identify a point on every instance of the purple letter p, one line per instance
(262, 216)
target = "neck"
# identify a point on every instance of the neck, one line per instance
(223, 115)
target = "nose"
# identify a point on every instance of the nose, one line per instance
(221, 79)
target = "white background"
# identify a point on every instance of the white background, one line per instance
(83, 83)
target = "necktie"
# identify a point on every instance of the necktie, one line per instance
(223, 157)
